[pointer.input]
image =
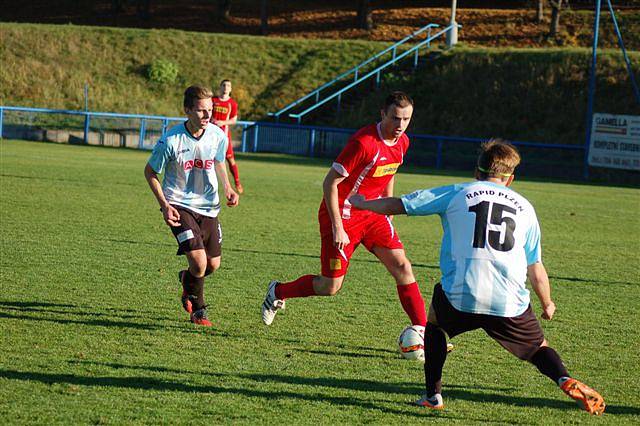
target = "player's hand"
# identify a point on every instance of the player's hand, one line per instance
(171, 215)
(232, 198)
(340, 238)
(548, 311)
(217, 123)
(357, 200)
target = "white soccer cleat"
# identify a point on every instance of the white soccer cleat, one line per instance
(271, 305)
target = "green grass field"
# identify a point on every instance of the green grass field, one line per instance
(92, 331)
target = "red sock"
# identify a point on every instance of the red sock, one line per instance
(413, 303)
(233, 168)
(302, 287)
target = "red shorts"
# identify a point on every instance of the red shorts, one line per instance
(371, 230)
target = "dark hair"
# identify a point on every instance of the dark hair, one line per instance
(226, 80)
(498, 158)
(399, 99)
(194, 93)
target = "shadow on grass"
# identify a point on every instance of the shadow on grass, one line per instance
(151, 383)
(267, 252)
(37, 308)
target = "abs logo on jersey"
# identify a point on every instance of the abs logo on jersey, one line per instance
(198, 164)
(386, 169)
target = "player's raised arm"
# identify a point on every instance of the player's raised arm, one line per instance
(387, 206)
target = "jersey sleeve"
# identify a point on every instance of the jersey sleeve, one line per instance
(429, 201)
(532, 247)
(353, 154)
(160, 155)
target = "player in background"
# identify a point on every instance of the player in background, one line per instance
(367, 165)
(225, 114)
(192, 157)
(491, 244)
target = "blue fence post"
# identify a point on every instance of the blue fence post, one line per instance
(143, 128)
(592, 88)
(429, 38)
(339, 101)
(86, 128)
(415, 58)
(439, 154)
(255, 137)
(165, 124)
(1, 118)
(312, 142)
(378, 79)
(394, 53)
(244, 138)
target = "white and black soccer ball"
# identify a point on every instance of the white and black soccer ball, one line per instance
(411, 343)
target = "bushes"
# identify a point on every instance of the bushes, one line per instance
(162, 71)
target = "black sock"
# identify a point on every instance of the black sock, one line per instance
(548, 361)
(195, 289)
(435, 354)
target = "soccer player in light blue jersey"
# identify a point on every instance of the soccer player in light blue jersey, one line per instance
(192, 156)
(491, 244)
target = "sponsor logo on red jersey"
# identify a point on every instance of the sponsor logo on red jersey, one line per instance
(198, 164)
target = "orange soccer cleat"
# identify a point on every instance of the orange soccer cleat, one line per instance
(199, 317)
(435, 402)
(587, 398)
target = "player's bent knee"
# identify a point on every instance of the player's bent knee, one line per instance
(213, 264)
(328, 286)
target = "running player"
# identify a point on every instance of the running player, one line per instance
(192, 154)
(367, 165)
(225, 114)
(491, 243)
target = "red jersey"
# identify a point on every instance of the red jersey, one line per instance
(224, 110)
(368, 164)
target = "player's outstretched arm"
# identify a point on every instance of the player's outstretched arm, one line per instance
(540, 282)
(387, 206)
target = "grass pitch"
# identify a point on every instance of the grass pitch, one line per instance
(92, 331)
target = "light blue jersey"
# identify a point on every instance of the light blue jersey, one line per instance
(190, 179)
(491, 235)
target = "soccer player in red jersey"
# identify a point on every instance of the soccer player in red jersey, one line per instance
(225, 114)
(367, 165)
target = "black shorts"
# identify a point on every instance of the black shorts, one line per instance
(196, 232)
(520, 335)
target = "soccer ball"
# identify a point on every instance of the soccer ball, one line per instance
(411, 344)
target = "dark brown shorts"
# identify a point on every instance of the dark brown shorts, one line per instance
(196, 232)
(521, 335)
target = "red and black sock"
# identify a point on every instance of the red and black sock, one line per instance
(195, 289)
(302, 287)
(413, 303)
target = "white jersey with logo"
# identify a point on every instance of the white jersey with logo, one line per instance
(190, 179)
(491, 235)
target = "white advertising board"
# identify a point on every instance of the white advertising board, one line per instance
(615, 141)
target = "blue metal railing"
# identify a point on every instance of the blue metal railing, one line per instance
(377, 71)
(355, 70)
(314, 141)
(89, 115)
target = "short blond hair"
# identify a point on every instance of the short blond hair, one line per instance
(498, 158)
(194, 93)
